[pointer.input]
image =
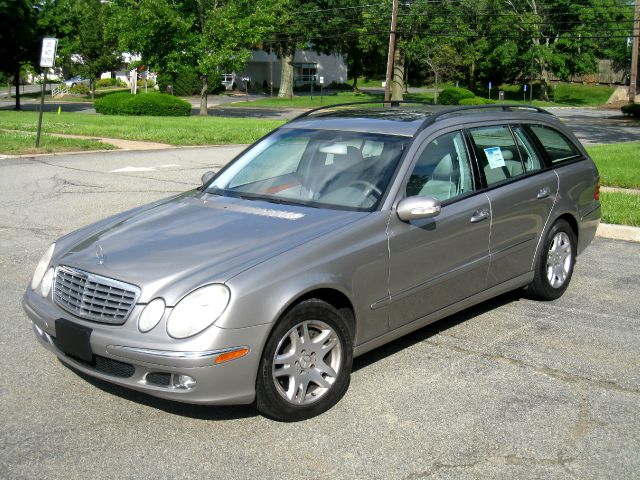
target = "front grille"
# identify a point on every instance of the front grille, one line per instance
(94, 297)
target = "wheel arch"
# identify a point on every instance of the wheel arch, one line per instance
(334, 297)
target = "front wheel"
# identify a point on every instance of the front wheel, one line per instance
(554, 267)
(306, 363)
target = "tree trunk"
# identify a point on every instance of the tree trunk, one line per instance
(544, 84)
(203, 96)
(471, 85)
(397, 84)
(16, 81)
(435, 92)
(286, 53)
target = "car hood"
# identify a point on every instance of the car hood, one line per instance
(194, 239)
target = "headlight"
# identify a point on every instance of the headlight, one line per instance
(198, 310)
(42, 266)
(46, 283)
(151, 315)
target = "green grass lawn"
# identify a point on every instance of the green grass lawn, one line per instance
(620, 208)
(22, 143)
(171, 130)
(618, 164)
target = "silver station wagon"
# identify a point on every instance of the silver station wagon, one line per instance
(340, 231)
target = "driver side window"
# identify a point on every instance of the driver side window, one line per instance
(443, 170)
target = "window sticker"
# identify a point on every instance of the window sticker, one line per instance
(494, 155)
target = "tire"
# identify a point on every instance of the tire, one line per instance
(554, 267)
(302, 375)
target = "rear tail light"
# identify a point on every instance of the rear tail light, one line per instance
(596, 194)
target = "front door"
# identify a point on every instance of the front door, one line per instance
(439, 261)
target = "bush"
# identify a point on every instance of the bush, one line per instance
(633, 109)
(153, 104)
(343, 87)
(150, 83)
(475, 101)
(110, 82)
(80, 89)
(452, 96)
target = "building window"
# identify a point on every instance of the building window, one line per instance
(306, 72)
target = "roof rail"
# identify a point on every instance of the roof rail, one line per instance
(435, 115)
(463, 108)
(391, 103)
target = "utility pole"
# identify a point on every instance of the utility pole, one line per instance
(634, 53)
(392, 51)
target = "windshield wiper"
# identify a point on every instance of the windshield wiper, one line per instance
(277, 200)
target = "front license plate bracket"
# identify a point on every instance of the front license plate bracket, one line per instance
(74, 340)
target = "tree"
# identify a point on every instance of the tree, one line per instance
(86, 44)
(207, 37)
(566, 38)
(19, 39)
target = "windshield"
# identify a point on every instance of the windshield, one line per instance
(322, 168)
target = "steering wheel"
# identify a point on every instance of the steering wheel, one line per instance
(367, 188)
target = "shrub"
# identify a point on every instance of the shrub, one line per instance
(452, 96)
(475, 101)
(344, 87)
(150, 83)
(153, 104)
(633, 109)
(80, 89)
(110, 82)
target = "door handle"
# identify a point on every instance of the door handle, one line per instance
(544, 192)
(480, 215)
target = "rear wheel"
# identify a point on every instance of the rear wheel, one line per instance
(554, 267)
(306, 363)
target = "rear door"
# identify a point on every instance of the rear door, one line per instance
(438, 261)
(522, 192)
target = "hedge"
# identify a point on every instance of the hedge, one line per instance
(475, 101)
(152, 104)
(452, 96)
(633, 109)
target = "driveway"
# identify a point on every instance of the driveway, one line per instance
(509, 389)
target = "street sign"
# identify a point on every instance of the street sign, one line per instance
(525, 87)
(48, 54)
(490, 85)
(321, 80)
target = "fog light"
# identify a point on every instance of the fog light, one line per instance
(184, 381)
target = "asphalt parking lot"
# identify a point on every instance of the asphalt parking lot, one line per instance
(509, 389)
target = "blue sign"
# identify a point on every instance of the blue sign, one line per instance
(489, 85)
(525, 87)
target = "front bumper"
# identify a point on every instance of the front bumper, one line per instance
(149, 364)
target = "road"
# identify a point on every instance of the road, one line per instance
(509, 389)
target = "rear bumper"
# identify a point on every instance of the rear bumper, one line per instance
(120, 360)
(588, 227)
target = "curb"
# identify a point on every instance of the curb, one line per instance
(619, 232)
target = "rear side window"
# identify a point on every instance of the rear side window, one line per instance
(557, 146)
(498, 153)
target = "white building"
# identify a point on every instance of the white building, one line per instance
(308, 67)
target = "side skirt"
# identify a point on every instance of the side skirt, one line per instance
(507, 286)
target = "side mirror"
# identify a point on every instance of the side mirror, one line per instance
(206, 176)
(415, 208)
